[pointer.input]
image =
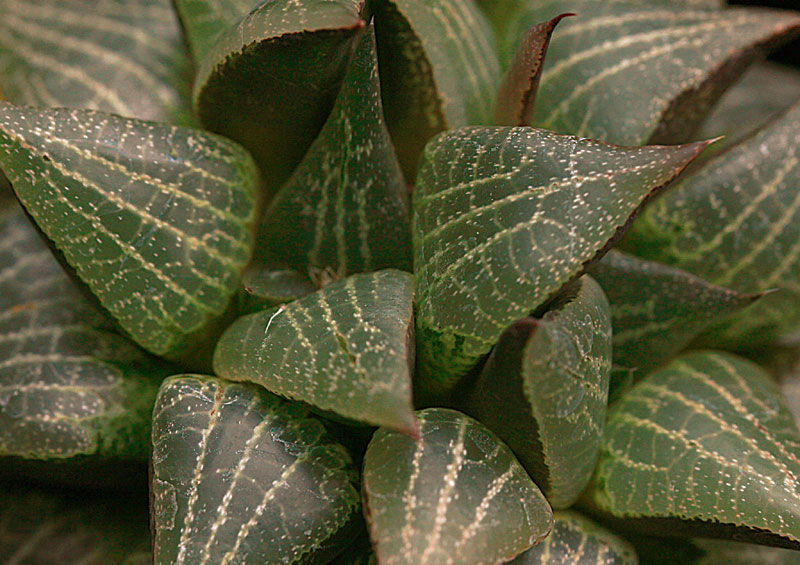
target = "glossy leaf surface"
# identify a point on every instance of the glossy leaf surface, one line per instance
(121, 56)
(579, 541)
(266, 286)
(736, 223)
(270, 80)
(504, 218)
(544, 391)
(704, 446)
(456, 495)
(347, 348)
(635, 73)
(241, 476)
(346, 205)
(40, 527)
(439, 70)
(657, 309)
(155, 219)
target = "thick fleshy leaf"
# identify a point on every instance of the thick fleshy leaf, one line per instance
(736, 223)
(28, 270)
(265, 287)
(204, 21)
(155, 219)
(634, 73)
(439, 70)
(515, 100)
(577, 540)
(241, 476)
(544, 391)
(120, 56)
(719, 552)
(40, 527)
(504, 218)
(347, 348)
(69, 386)
(270, 80)
(657, 309)
(346, 205)
(455, 495)
(706, 447)
(763, 92)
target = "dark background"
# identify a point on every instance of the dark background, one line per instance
(790, 53)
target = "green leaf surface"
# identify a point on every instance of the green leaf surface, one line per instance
(155, 219)
(38, 527)
(544, 391)
(347, 348)
(503, 219)
(266, 286)
(455, 495)
(517, 94)
(204, 21)
(241, 476)
(704, 447)
(764, 91)
(790, 387)
(736, 223)
(346, 206)
(270, 80)
(577, 540)
(635, 73)
(719, 552)
(657, 309)
(28, 270)
(70, 387)
(439, 70)
(121, 56)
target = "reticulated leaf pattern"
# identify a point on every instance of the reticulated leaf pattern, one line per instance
(455, 495)
(241, 476)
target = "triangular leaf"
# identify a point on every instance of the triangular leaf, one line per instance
(347, 348)
(704, 446)
(634, 73)
(123, 56)
(515, 100)
(455, 494)
(155, 219)
(576, 539)
(736, 223)
(346, 205)
(242, 476)
(439, 70)
(43, 527)
(544, 391)
(270, 80)
(504, 218)
(657, 309)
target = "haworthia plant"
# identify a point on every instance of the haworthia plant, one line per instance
(455, 495)
(347, 348)
(268, 80)
(636, 72)
(735, 224)
(241, 476)
(705, 444)
(544, 391)
(346, 206)
(37, 526)
(155, 219)
(657, 309)
(503, 218)
(439, 70)
(576, 539)
(125, 57)
(265, 286)
(69, 387)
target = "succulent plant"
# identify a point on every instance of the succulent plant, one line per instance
(363, 281)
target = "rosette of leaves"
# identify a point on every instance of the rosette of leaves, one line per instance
(383, 231)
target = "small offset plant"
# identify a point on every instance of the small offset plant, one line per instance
(359, 281)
